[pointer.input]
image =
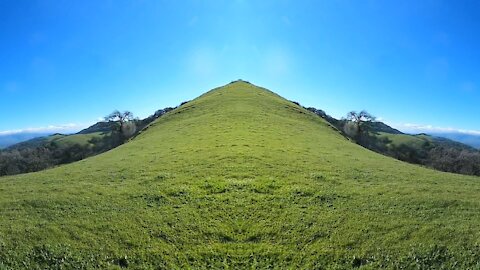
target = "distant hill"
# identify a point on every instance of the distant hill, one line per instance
(36, 138)
(432, 151)
(11, 139)
(239, 178)
(62, 140)
(469, 139)
(421, 140)
(382, 127)
(48, 151)
(101, 126)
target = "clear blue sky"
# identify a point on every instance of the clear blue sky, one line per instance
(75, 61)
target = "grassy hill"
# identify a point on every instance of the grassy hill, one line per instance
(434, 152)
(472, 140)
(7, 140)
(49, 151)
(419, 141)
(431, 151)
(239, 178)
(61, 140)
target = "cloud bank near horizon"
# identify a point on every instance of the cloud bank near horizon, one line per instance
(65, 128)
(416, 128)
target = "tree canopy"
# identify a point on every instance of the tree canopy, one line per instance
(121, 117)
(357, 124)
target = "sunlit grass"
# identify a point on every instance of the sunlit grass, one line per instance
(239, 178)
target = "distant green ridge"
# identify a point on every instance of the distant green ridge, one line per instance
(239, 178)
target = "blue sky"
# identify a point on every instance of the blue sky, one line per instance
(65, 64)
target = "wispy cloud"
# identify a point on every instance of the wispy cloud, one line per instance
(67, 128)
(416, 128)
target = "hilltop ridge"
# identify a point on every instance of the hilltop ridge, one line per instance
(240, 179)
(431, 151)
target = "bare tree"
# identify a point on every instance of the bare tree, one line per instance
(119, 116)
(125, 127)
(358, 123)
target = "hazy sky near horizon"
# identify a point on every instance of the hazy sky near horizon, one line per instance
(65, 64)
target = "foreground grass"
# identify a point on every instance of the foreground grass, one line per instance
(239, 178)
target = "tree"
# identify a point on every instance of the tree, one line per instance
(358, 124)
(125, 126)
(117, 116)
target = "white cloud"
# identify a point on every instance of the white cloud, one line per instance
(416, 128)
(67, 128)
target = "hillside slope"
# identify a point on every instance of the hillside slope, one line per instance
(7, 140)
(239, 178)
(61, 140)
(49, 151)
(431, 151)
(434, 152)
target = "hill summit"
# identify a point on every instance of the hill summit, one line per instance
(242, 178)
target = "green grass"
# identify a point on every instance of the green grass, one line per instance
(80, 139)
(63, 141)
(417, 142)
(239, 178)
(37, 142)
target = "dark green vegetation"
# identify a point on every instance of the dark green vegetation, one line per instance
(468, 139)
(44, 152)
(7, 140)
(435, 152)
(431, 151)
(240, 178)
(48, 151)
